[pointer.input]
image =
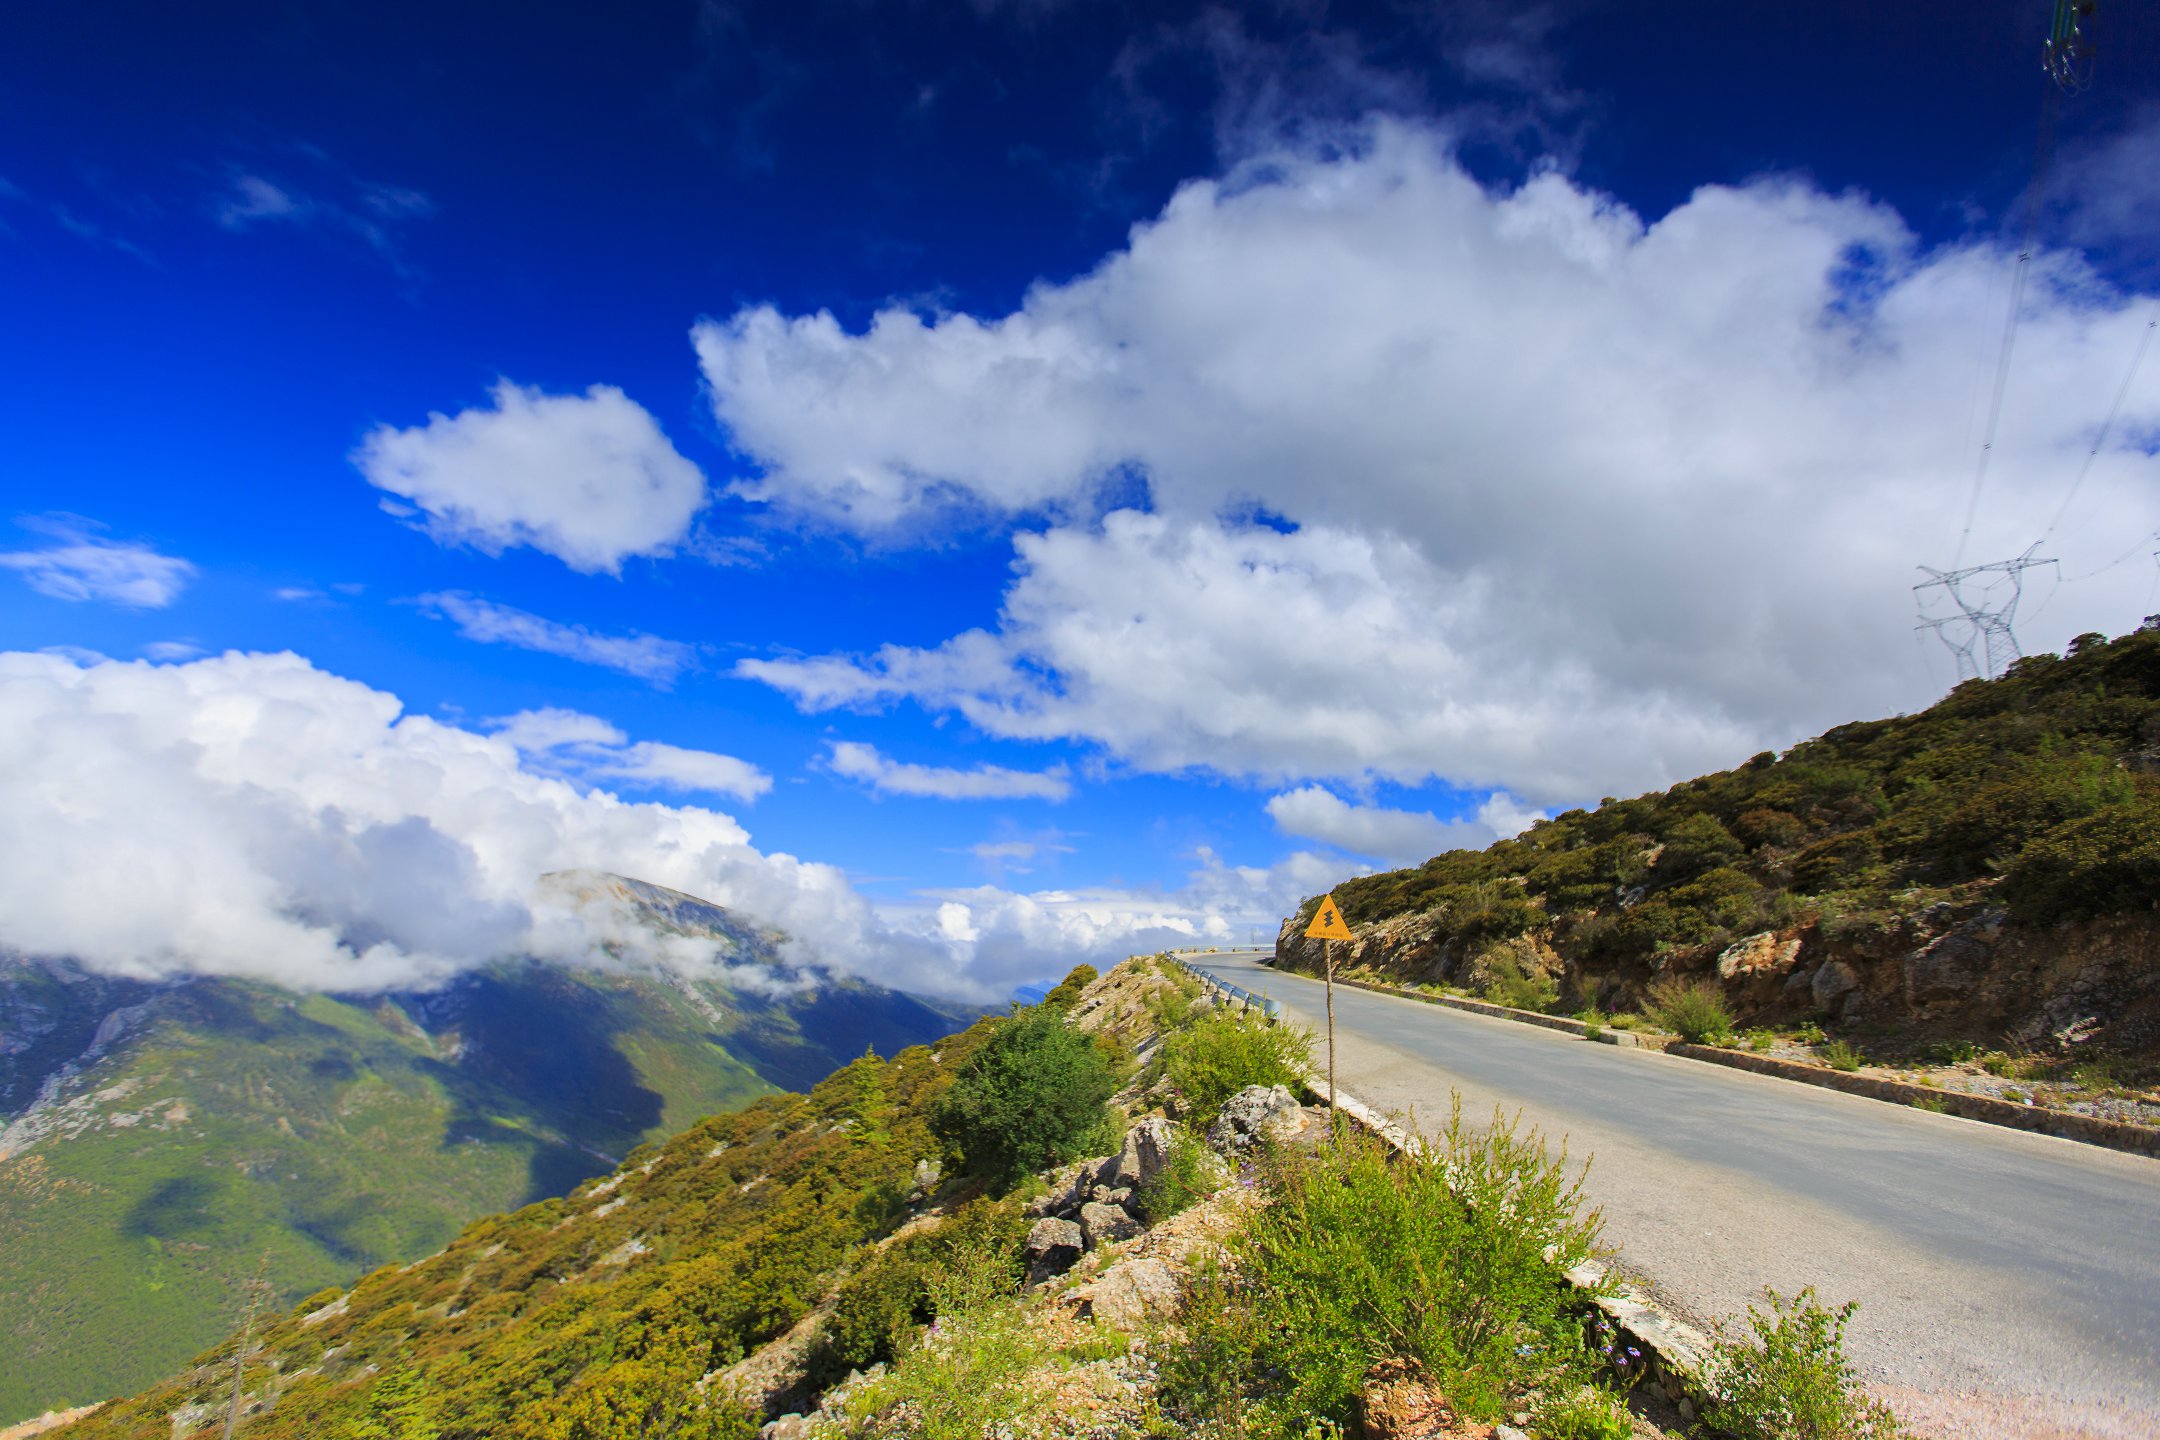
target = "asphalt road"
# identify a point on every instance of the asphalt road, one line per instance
(2009, 1284)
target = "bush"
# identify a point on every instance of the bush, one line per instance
(1067, 993)
(1452, 1261)
(1583, 1412)
(1788, 1378)
(1031, 1097)
(1839, 1055)
(1190, 1173)
(974, 1257)
(2094, 866)
(1693, 1010)
(1508, 983)
(1226, 1050)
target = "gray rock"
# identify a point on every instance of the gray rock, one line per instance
(1131, 1293)
(1255, 1114)
(1147, 1150)
(1944, 968)
(1069, 1189)
(1832, 984)
(1052, 1247)
(1106, 1224)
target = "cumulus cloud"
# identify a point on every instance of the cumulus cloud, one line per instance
(253, 815)
(646, 656)
(590, 479)
(80, 564)
(1578, 501)
(858, 761)
(1396, 837)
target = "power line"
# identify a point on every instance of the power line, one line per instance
(2121, 393)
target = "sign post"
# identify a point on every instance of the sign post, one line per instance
(1327, 927)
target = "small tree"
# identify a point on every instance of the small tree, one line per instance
(1031, 1097)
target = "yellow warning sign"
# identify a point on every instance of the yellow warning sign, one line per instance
(1327, 922)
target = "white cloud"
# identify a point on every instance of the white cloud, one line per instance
(171, 650)
(252, 815)
(313, 190)
(1587, 502)
(646, 656)
(1397, 837)
(79, 564)
(580, 746)
(858, 761)
(589, 479)
(671, 767)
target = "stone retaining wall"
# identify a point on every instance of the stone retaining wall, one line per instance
(1673, 1351)
(2114, 1134)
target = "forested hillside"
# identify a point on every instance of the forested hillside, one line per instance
(172, 1140)
(1986, 870)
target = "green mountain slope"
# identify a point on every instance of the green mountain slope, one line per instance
(1985, 871)
(596, 1313)
(197, 1130)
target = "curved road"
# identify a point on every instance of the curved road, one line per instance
(2009, 1283)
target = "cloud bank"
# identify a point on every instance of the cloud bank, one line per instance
(589, 479)
(1395, 837)
(252, 815)
(1512, 489)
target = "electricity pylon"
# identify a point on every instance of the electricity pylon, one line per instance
(1974, 612)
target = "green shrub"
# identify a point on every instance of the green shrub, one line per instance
(1760, 1040)
(1452, 1261)
(1933, 1104)
(976, 1375)
(1839, 1055)
(1190, 1173)
(1582, 1412)
(2094, 866)
(1226, 1050)
(1693, 1010)
(1508, 983)
(1067, 993)
(1788, 1378)
(1031, 1097)
(1594, 1022)
(1808, 1034)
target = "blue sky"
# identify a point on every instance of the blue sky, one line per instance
(1073, 476)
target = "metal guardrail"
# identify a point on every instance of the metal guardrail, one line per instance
(1264, 1004)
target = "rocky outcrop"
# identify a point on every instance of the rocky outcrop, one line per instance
(1949, 970)
(1255, 1116)
(1131, 1293)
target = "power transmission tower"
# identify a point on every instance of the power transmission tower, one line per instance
(1972, 612)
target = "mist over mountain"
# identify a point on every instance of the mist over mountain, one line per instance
(164, 1136)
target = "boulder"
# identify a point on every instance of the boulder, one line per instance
(1832, 984)
(1147, 1150)
(1255, 1114)
(1131, 1293)
(1102, 1225)
(1052, 1247)
(1757, 956)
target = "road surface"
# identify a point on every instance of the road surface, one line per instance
(2009, 1283)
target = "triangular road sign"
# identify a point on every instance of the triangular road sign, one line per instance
(1327, 922)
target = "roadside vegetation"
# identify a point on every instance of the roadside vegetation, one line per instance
(2012, 808)
(898, 1201)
